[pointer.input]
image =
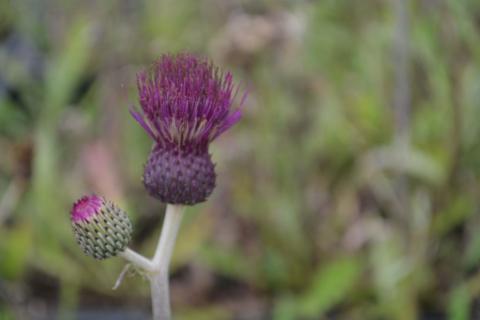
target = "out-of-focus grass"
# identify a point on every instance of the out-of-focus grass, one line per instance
(308, 220)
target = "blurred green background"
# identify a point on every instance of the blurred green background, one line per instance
(350, 189)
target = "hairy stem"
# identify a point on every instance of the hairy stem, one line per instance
(159, 289)
(161, 260)
(157, 268)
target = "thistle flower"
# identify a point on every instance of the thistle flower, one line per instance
(101, 228)
(186, 103)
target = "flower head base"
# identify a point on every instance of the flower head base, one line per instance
(101, 228)
(186, 103)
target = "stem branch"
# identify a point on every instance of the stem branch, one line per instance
(158, 266)
(138, 260)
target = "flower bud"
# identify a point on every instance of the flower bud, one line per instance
(101, 228)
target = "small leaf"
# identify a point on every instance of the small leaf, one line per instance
(459, 305)
(286, 309)
(330, 285)
(14, 249)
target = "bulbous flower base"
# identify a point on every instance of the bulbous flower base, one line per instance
(179, 177)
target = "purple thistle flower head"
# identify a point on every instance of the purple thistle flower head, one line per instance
(186, 103)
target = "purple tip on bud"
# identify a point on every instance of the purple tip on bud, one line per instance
(85, 208)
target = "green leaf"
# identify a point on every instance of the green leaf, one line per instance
(5, 314)
(459, 305)
(228, 261)
(15, 246)
(330, 285)
(454, 214)
(66, 70)
(286, 309)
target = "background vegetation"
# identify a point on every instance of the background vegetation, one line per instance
(350, 190)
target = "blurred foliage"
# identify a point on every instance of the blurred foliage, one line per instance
(319, 212)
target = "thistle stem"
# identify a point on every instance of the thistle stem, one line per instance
(138, 260)
(157, 268)
(171, 224)
(161, 260)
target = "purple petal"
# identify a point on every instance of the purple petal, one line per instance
(139, 118)
(228, 122)
(186, 101)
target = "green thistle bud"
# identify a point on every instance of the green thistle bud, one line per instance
(101, 228)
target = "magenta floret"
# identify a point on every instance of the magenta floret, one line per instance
(86, 207)
(186, 102)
